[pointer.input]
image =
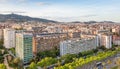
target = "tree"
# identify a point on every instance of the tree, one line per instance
(95, 50)
(47, 61)
(102, 47)
(78, 62)
(33, 66)
(2, 66)
(16, 61)
(1, 59)
(68, 57)
(109, 62)
(58, 63)
(79, 54)
(118, 62)
(1, 44)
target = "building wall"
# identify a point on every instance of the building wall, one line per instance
(9, 38)
(47, 42)
(76, 46)
(108, 42)
(116, 40)
(24, 47)
(105, 40)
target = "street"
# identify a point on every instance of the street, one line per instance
(6, 63)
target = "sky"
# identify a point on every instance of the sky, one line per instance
(65, 10)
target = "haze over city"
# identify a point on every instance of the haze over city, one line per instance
(65, 10)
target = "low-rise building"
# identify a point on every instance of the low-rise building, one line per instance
(75, 46)
(47, 41)
(116, 40)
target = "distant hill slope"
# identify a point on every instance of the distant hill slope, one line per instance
(21, 18)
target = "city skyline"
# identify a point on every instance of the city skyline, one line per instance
(65, 10)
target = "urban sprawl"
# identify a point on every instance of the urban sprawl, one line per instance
(37, 45)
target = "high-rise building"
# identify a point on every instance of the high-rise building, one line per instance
(24, 46)
(108, 41)
(9, 38)
(105, 40)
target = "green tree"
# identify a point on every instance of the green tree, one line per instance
(1, 44)
(49, 53)
(33, 66)
(1, 59)
(58, 63)
(2, 66)
(68, 57)
(79, 54)
(47, 61)
(16, 61)
(78, 62)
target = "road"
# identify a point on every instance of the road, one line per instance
(11, 54)
(6, 63)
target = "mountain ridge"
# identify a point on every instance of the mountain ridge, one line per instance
(21, 18)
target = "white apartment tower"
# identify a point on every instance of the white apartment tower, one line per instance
(108, 41)
(105, 40)
(9, 38)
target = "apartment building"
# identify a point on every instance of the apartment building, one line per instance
(9, 38)
(116, 40)
(47, 41)
(75, 46)
(24, 46)
(105, 40)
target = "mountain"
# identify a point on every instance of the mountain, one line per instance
(92, 22)
(21, 18)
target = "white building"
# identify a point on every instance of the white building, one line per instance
(9, 38)
(76, 46)
(105, 40)
(108, 42)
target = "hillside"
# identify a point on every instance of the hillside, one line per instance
(21, 18)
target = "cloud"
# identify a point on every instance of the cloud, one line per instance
(42, 3)
(12, 0)
(12, 12)
(4, 0)
(71, 18)
(92, 15)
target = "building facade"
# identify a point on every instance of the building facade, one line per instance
(116, 40)
(77, 45)
(9, 38)
(105, 40)
(24, 46)
(48, 41)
